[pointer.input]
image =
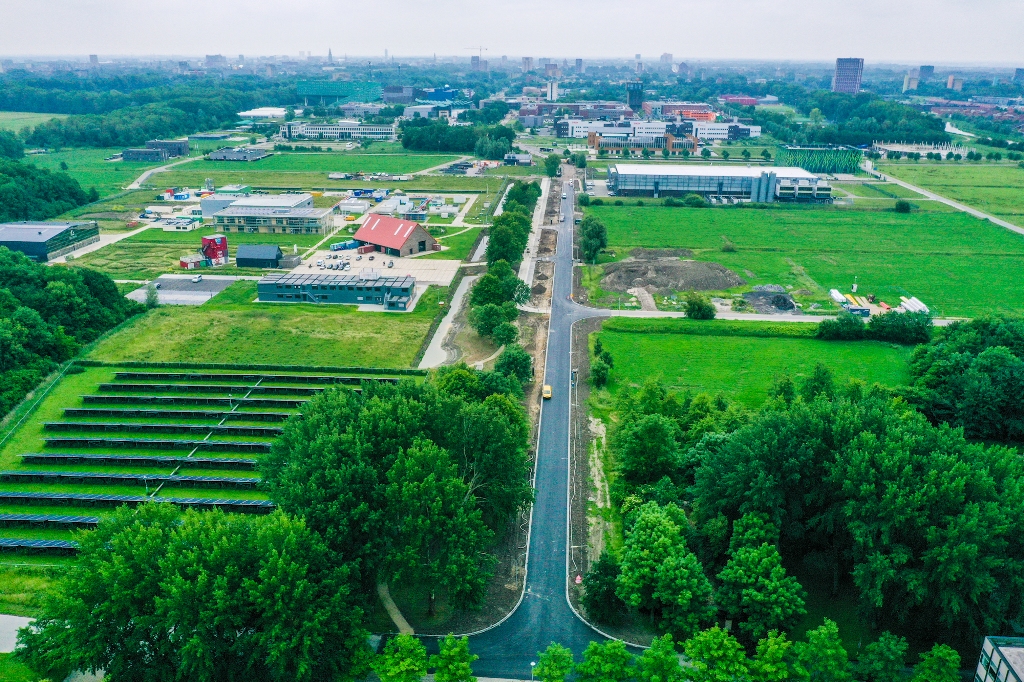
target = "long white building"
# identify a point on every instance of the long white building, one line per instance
(764, 184)
(575, 127)
(342, 130)
(724, 131)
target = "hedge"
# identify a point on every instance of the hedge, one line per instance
(796, 330)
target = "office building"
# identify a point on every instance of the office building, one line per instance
(910, 82)
(367, 288)
(552, 91)
(147, 154)
(237, 154)
(635, 95)
(579, 128)
(342, 130)
(849, 71)
(213, 204)
(925, 73)
(551, 70)
(725, 131)
(729, 183)
(527, 64)
(1001, 660)
(697, 111)
(43, 241)
(1018, 76)
(94, 60)
(579, 66)
(954, 83)
(173, 147)
(401, 94)
(274, 220)
(666, 59)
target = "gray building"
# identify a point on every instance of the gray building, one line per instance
(173, 147)
(43, 241)
(849, 71)
(394, 293)
(218, 201)
(274, 220)
(237, 154)
(731, 183)
(258, 256)
(146, 154)
(1001, 660)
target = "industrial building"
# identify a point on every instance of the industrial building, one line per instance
(258, 256)
(849, 71)
(217, 202)
(147, 154)
(1001, 660)
(43, 241)
(697, 111)
(518, 160)
(271, 220)
(394, 293)
(237, 154)
(342, 130)
(394, 236)
(728, 183)
(173, 147)
(580, 128)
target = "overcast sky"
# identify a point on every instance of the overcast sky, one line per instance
(902, 31)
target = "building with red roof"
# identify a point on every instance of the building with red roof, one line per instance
(394, 236)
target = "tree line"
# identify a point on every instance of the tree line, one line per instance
(46, 314)
(434, 135)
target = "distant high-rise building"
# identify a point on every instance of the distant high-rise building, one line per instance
(504, 62)
(666, 58)
(241, 59)
(552, 91)
(954, 83)
(527, 64)
(94, 59)
(579, 66)
(551, 69)
(1018, 76)
(330, 56)
(635, 95)
(683, 69)
(910, 82)
(474, 62)
(925, 73)
(849, 71)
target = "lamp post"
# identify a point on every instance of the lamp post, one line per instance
(533, 664)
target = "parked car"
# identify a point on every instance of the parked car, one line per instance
(197, 279)
(369, 258)
(547, 392)
(156, 285)
(359, 258)
(391, 263)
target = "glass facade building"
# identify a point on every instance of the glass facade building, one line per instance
(758, 184)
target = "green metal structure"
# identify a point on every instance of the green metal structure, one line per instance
(820, 158)
(328, 92)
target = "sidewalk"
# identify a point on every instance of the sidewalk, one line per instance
(530, 257)
(436, 355)
(105, 240)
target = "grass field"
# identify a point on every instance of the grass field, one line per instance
(13, 671)
(958, 265)
(739, 367)
(991, 187)
(89, 168)
(878, 190)
(16, 120)
(460, 243)
(231, 328)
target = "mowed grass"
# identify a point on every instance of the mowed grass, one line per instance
(89, 168)
(459, 242)
(994, 188)
(16, 120)
(878, 190)
(741, 368)
(957, 264)
(232, 328)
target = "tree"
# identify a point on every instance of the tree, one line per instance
(745, 154)
(599, 372)
(505, 334)
(404, 660)
(940, 664)
(725, 154)
(11, 147)
(755, 590)
(646, 448)
(660, 663)
(823, 655)
(554, 664)
(645, 153)
(698, 307)
(665, 152)
(649, 542)
(694, 201)
(516, 362)
(608, 662)
(715, 656)
(487, 318)
(772, 662)
(766, 154)
(599, 599)
(593, 238)
(152, 297)
(819, 383)
(705, 153)
(846, 327)
(883, 660)
(552, 162)
(905, 328)
(685, 594)
(453, 662)
(902, 206)
(438, 531)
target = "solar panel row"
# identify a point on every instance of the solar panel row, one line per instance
(158, 444)
(113, 479)
(281, 403)
(126, 413)
(268, 431)
(18, 497)
(47, 520)
(248, 378)
(46, 545)
(234, 389)
(140, 460)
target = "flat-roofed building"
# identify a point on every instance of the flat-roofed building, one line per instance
(848, 74)
(733, 183)
(342, 130)
(218, 201)
(146, 154)
(173, 147)
(367, 288)
(271, 220)
(1001, 660)
(237, 154)
(43, 241)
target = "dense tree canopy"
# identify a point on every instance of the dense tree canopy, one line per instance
(30, 193)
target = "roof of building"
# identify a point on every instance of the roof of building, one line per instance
(35, 232)
(303, 279)
(258, 252)
(712, 170)
(1012, 651)
(274, 200)
(236, 210)
(390, 233)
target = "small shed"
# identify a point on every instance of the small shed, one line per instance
(258, 256)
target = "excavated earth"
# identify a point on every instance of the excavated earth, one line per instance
(662, 271)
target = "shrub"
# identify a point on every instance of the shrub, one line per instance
(698, 307)
(903, 328)
(505, 333)
(902, 206)
(846, 327)
(727, 245)
(669, 201)
(618, 202)
(597, 202)
(640, 202)
(515, 362)
(584, 199)
(599, 372)
(694, 201)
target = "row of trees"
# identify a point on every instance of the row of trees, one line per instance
(510, 232)
(432, 135)
(46, 314)
(904, 328)
(30, 193)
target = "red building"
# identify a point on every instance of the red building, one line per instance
(394, 236)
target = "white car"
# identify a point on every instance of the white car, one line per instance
(197, 279)
(564, 195)
(391, 263)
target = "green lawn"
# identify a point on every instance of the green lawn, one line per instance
(89, 168)
(740, 367)
(459, 244)
(878, 190)
(16, 120)
(991, 187)
(957, 264)
(13, 671)
(231, 328)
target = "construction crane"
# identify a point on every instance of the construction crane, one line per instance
(480, 48)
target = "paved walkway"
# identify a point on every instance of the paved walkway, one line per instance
(436, 355)
(105, 240)
(9, 626)
(481, 251)
(439, 167)
(526, 268)
(162, 169)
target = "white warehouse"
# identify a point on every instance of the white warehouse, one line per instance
(342, 130)
(733, 183)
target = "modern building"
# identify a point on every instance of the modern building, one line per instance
(849, 71)
(173, 147)
(342, 130)
(527, 64)
(1001, 660)
(697, 111)
(551, 91)
(580, 128)
(635, 94)
(147, 154)
(953, 82)
(368, 288)
(43, 241)
(270, 220)
(910, 82)
(518, 160)
(258, 256)
(237, 154)
(394, 236)
(218, 201)
(725, 131)
(729, 183)
(925, 73)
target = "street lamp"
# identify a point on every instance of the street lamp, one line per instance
(533, 664)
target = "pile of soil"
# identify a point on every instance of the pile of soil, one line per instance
(538, 289)
(660, 271)
(548, 240)
(772, 303)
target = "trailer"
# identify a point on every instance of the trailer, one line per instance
(344, 246)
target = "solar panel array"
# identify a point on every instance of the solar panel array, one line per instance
(65, 546)
(239, 389)
(105, 478)
(139, 460)
(48, 520)
(94, 499)
(158, 444)
(86, 412)
(267, 431)
(281, 403)
(249, 378)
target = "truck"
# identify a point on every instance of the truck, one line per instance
(344, 246)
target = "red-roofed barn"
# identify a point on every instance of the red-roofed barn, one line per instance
(394, 236)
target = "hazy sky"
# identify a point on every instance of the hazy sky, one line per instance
(911, 31)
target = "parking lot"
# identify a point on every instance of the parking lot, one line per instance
(181, 290)
(440, 272)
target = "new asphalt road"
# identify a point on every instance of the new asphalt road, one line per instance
(544, 616)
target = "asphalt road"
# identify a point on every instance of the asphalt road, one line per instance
(544, 616)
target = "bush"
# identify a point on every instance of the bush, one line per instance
(694, 201)
(584, 199)
(699, 307)
(597, 202)
(599, 599)
(670, 201)
(902, 206)
(640, 202)
(505, 334)
(903, 328)
(846, 327)
(515, 362)
(618, 202)
(727, 245)
(599, 372)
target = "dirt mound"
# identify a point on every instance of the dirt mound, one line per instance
(666, 275)
(651, 254)
(771, 303)
(538, 290)
(541, 276)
